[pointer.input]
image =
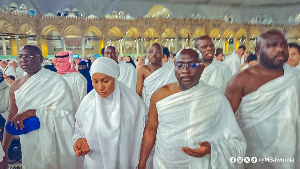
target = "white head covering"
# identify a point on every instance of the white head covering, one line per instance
(106, 66)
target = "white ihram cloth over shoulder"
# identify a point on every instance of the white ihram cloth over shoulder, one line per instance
(234, 62)
(4, 106)
(4, 99)
(161, 77)
(199, 114)
(9, 71)
(216, 74)
(298, 66)
(78, 85)
(269, 119)
(113, 126)
(50, 146)
(128, 75)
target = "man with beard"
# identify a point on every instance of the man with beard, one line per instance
(266, 100)
(191, 123)
(216, 73)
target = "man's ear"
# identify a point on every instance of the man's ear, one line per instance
(41, 59)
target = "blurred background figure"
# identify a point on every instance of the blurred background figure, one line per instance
(121, 59)
(141, 62)
(251, 61)
(6, 69)
(49, 65)
(294, 55)
(18, 70)
(10, 79)
(85, 71)
(219, 54)
(130, 60)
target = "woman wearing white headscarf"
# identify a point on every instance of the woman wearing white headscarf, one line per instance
(109, 121)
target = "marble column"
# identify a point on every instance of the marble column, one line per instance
(4, 46)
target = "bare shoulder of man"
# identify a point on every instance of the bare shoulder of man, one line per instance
(165, 91)
(18, 83)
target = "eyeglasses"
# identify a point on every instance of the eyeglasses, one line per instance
(190, 66)
(27, 57)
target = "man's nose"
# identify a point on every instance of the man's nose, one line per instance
(185, 69)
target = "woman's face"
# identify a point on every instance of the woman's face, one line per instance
(127, 59)
(103, 84)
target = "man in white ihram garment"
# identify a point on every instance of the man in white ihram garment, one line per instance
(7, 70)
(236, 59)
(215, 73)
(46, 95)
(191, 123)
(63, 62)
(19, 71)
(128, 74)
(4, 97)
(266, 100)
(109, 121)
(155, 74)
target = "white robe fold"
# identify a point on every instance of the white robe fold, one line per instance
(19, 72)
(298, 66)
(4, 99)
(217, 74)
(9, 71)
(113, 127)
(78, 85)
(50, 146)
(234, 62)
(161, 77)
(128, 75)
(269, 119)
(192, 116)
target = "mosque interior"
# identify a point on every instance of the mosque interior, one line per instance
(86, 26)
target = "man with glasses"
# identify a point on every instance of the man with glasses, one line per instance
(191, 123)
(46, 95)
(216, 73)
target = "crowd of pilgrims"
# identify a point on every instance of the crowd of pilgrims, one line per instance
(193, 109)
